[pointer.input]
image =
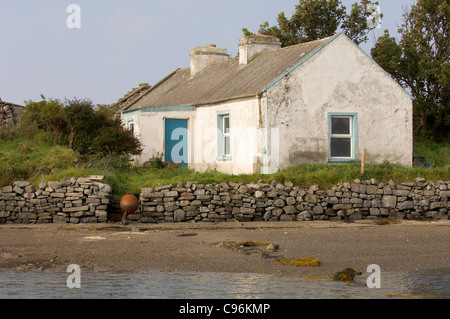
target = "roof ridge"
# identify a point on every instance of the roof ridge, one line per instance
(225, 80)
(152, 88)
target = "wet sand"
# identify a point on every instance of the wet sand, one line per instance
(405, 246)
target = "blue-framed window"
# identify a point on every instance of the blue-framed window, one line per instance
(342, 136)
(130, 125)
(223, 136)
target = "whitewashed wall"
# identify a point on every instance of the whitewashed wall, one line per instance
(149, 127)
(340, 78)
(245, 137)
(203, 135)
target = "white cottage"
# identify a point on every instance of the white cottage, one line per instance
(271, 107)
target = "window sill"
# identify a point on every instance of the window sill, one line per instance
(224, 158)
(343, 160)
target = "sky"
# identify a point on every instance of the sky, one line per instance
(113, 45)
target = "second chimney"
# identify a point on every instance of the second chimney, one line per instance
(251, 46)
(201, 57)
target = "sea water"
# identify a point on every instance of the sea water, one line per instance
(51, 284)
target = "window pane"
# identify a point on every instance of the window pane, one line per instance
(226, 145)
(340, 125)
(341, 147)
(226, 124)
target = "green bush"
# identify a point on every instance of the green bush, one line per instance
(81, 126)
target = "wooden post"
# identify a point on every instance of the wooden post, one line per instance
(363, 161)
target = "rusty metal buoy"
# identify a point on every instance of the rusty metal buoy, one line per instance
(129, 204)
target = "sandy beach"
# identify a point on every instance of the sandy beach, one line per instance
(404, 246)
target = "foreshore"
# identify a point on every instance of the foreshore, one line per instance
(198, 247)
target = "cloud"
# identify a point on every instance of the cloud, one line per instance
(125, 28)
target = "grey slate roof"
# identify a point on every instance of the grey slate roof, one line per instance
(225, 80)
(130, 97)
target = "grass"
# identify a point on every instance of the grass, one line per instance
(435, 153)
(21, 156)
(325, 175)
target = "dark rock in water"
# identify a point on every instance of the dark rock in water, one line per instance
(346, 274)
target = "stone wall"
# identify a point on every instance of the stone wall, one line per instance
(86, 200)
(10, 114)
(371, 199)
(81, 200)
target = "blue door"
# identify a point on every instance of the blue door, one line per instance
(176, 141)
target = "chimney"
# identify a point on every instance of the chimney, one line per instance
(251, 46)
(201, 57)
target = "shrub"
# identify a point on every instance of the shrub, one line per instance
(81, 126)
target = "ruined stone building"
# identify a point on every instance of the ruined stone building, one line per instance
(10, 114)
(130, 97)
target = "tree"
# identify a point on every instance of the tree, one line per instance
(318, 19)
(80, 125)
(420, 63)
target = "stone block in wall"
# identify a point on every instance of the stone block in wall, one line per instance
(435, 205)
(21, 184)
(401, 192)
(147, 220)
(372, 189)
(7, 189)
(88, 220)
(27, 216)
(304, 215)
(405, 205)
(103, 214)
(4, 214)
(160, 188)
(358, 188)
(179, 215)
(444, 194)
(54, 185)
(318, 210)
(356, 202)
(60, 219)
(18, 190)
(342, 206)
(436, 215)
(290, 210)
(389, 201)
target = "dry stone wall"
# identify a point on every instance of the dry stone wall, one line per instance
(86, 200)
(371, 199)
(81, 200)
